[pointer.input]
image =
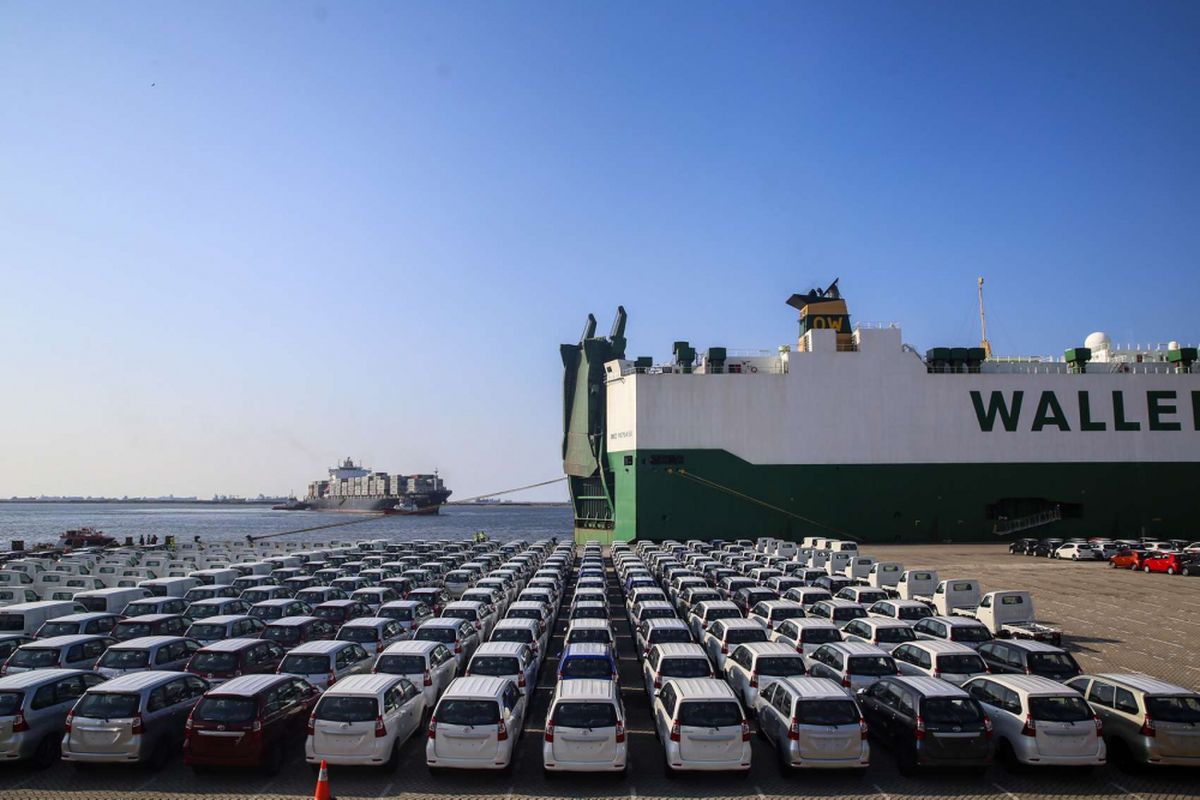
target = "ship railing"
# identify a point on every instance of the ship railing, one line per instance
(1025, 523)
(875, 326)
(729, 369)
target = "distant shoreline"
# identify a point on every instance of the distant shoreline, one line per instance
(265, 501)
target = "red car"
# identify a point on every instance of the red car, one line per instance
(1170, 563)
(251, 721)
(1127, 559)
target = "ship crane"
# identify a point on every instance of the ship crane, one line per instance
(985, 344)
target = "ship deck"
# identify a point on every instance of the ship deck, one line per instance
(1112, 620)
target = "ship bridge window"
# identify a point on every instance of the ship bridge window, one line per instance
(629, 461)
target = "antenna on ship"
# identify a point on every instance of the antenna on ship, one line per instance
(985, 344)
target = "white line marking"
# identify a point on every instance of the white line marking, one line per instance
(1006, 792)
(142, 785)
(22, 784)
(263, 789)
(761, 796)
(882, 793)
(1123, 789)
(386, 790)
(510, 794)
(632, 793)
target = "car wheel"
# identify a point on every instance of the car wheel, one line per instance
(1170, 570)
(1112, 565)
(1146, 570)
(48, 751)
(785, 768)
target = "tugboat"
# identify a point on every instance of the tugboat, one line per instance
(292, 504)
(85, 537)
(409, 508)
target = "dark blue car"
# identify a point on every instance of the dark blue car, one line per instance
(587, 660)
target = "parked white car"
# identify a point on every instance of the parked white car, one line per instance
(364, 720)
(476, 725)
(585, 728)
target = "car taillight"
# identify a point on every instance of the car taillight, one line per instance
(70, 719)
(794, 730)
(501, 731)
(620, 732)
(332, 678)
(433, 727)
(549, 732)
(312, 724)
(458, 648)
(745, 731)
(189, 724)
(753, 680)
(138, 727)
(20, 725)
(521, 681)
(920, 732)
(1147, 728)
(863, 729)
(428, 678)
(846, 681)
(657, 681)
(380, 728)
(1099, 725)
(724, 649)
(1028, 728)
(674, 730)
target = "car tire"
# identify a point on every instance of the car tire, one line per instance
(1170, 570)
(48, 751)
(1112, 565)
(1146, 570)
(785, 769)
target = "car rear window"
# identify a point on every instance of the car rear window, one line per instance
(722, 613)
(961, 664)
(827, 712)
(445, 635)
(1174, 709)
(670, 635)
(107, 705)
(787, 612)
(401, 665)
(358, 633)
(744, 635)
(951, 710)
(494, 665)
(1052, 662)
(872, 665)
(137, 609)
(401, 614)
(124, 659)
(329, 613)
(1066, 708)
(468, 712)
(695, 667)
(594, 635)
(587, 668)
(914, 612)
(12, 622)
(590, 612)
(206, 631)
(284, 634)
(891, 635)
(710, 713)
(10, 703)
(214, 662)
(58, 629)
(969, 633)
(216, 708)
(347, 709)
(132, 630)
(780, 666)
(522, 635)
(304, 664)
(468, 614)
(585, 715)
(846, 613)
(34, 657)
(819, 635)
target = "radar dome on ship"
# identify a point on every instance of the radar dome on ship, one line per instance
(1097, 341)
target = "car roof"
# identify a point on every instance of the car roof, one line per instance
(364, 684)
(930, 687)
(664, 622)
(885, 622)
(230, 645)
(940, 646)
(83, 617)
(284, 622)
(587, 650)
(412, 646)
(1032, 684)
(1143, 683)
(773, 604)
(586, 689)
(840, 602)
(213, 601)
(682, 649)
(1031, 646)
(500, 648)
(732, 623)
(702, 688)
(954, 621)
(65, 640)
(857, 648)
(274, 601)
(136, 681)
(591, 622)
(400, 604)
(339, 603)
(770, 649)
(36, 677)
(520, 622)
(320, 646)
(148, 641)
(811, 688)
(810, 622)
(905, 603)
(717, 604)
(144, 618)
(476, 686)
(367, 622)
(248, 685)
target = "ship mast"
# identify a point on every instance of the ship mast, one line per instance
(985, 344)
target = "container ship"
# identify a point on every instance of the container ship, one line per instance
(850, 433)
(352, 487)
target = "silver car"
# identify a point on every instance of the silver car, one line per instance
(33, 708)
(813, 723)
(1146, 721)
(146, 652)
(136, 718)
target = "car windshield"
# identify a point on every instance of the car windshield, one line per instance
(494, 665)
(872, 665)
(891, 635)
(10, 703)
(358, 633)
(305, 664)
(587, 668)
(744, 635)
(107, 705)
(1053, 662)
(401, 665)
(961, 664)
(347, 709)
(207, 631)
(685, 668)
(827, 712)
(969, 633)
(214, 662)
(34, 657)
(202, 611)
(120, 658)
(710, 713)
(439, 634)
(951, 711)
(1064, 708)
(593, 635)
(216, 708)
(468, 712)
(1182, 708)
(780, 666)
(401, 614)
(57, 629)
(585, 715)
(284, 634)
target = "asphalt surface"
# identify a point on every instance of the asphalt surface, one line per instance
(1113, 621)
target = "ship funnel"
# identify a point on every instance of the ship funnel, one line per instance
(589, 330)
(618, 326)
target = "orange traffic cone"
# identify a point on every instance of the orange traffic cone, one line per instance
(322, 792)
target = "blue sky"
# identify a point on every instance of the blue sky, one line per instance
(240, 240)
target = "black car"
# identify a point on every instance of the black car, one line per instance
(1011, 656)
(927, 722)
(1022, 547)
(1046, 547)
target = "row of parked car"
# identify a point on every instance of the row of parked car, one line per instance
(1170, 557)
(892, 672)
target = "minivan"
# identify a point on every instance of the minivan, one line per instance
(373, 633)
(134, 718)
(292, 631)
(852, 664)
(219, 661)
(1028, 657)
(91, 622)
(585, 728)
(150, 625)
(248, 722)
(1146, 721)
(147, 653)
(475, 725)
(506, 660)
(73, 651)
(323, 663)
(33, 709)
(701, 725)
(364, 720)
(458, 635)
(814, 724)
(429, 665)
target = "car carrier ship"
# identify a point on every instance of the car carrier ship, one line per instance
(352, 487)
(853, 434)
